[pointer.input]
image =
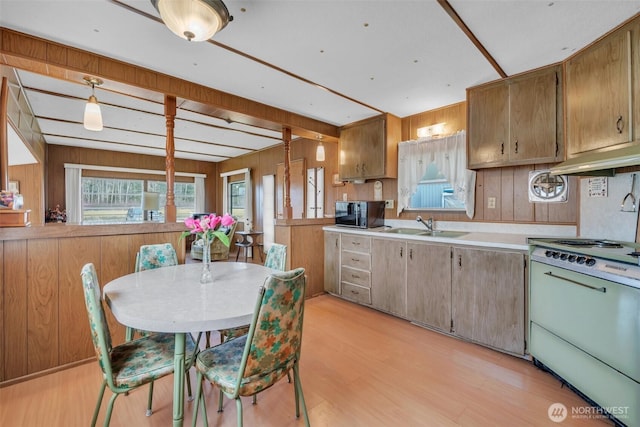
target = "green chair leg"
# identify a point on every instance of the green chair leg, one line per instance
(199, 400)
(239, 410)
(107, 419)
(300, 396)
(97, 410)
(220, 402)
(150, 401)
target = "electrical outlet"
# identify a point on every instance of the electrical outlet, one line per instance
(491, 203)
(388, 204)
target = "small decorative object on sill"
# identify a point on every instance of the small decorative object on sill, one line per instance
(207, 228)
(56, 215)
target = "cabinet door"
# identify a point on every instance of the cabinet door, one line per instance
(362, 150)
(533, 135)
(598, 95)
(429, 285)
(488, 125)
(388, 276)
(488, 303)
(332, 262)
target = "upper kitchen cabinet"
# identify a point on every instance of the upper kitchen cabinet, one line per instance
(600, 89)
(516, 121)
(369, 149)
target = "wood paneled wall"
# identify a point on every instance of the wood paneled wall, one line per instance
(58, 155)
(44, 323)
(30, 178)
(508, 185)
(265, 162)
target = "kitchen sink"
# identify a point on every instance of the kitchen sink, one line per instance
(419, 232)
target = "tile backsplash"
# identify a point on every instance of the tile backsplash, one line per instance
(601, 217)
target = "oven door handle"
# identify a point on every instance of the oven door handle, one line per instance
(602, 289)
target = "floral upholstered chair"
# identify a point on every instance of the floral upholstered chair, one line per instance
(155, 256)
(129, 365)
(254, 362)
(276, 259)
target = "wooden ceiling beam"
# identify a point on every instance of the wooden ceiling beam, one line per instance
(30, 53)
(463, 26)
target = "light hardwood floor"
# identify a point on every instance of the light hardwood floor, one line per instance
(359, 367)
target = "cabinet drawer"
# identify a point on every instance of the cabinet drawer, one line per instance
(356, 259)
(358, 277)
(356, 243)
(356, 293)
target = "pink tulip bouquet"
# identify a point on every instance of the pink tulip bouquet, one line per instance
(207, 227)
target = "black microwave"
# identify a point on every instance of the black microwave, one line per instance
(360, 214)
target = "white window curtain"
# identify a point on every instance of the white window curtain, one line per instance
(449, 154)
(73, 193)
(199, 184)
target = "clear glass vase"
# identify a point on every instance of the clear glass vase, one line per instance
(205, 275)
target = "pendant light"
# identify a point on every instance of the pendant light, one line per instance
(92, 113)
(319, 150)
(193, 20)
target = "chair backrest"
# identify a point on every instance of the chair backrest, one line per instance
(275, 335)
(156, 256)
(276, 257)
(100, 334)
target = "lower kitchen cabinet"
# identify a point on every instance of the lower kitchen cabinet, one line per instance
(488, 303)
(332, 262)
(388, 276)
(471, 293)
(429, 285)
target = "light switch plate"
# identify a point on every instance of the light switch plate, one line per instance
(388, 204)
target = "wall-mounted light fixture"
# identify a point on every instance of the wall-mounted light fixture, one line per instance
(430, 131)
(319, 150)
(193, 20)
(92, 113)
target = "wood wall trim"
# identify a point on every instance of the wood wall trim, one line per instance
(46, 57)
(4, 143)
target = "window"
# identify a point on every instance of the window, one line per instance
(435, 192)
(184, 197)
(113, 200)
(433, 174)
(237, 197)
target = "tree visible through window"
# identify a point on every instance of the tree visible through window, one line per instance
(237, 193)
(113, 200)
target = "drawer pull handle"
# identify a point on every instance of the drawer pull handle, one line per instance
(355, 292)
(355, 260)
(595, 288)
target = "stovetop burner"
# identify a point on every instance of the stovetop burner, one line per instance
(590, 243)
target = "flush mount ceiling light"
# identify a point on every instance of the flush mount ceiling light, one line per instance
(92, 113)
(193, 20)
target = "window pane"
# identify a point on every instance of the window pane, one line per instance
(110, 200)
(237, 198)
(184, 197)
(434, 192)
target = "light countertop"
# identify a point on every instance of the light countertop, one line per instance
(511, 236)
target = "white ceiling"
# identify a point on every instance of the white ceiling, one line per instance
(335, 61)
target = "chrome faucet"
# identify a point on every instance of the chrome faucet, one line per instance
(428, 224)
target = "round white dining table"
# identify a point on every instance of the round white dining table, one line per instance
(172, 299)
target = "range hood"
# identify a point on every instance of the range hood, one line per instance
(602, 163)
